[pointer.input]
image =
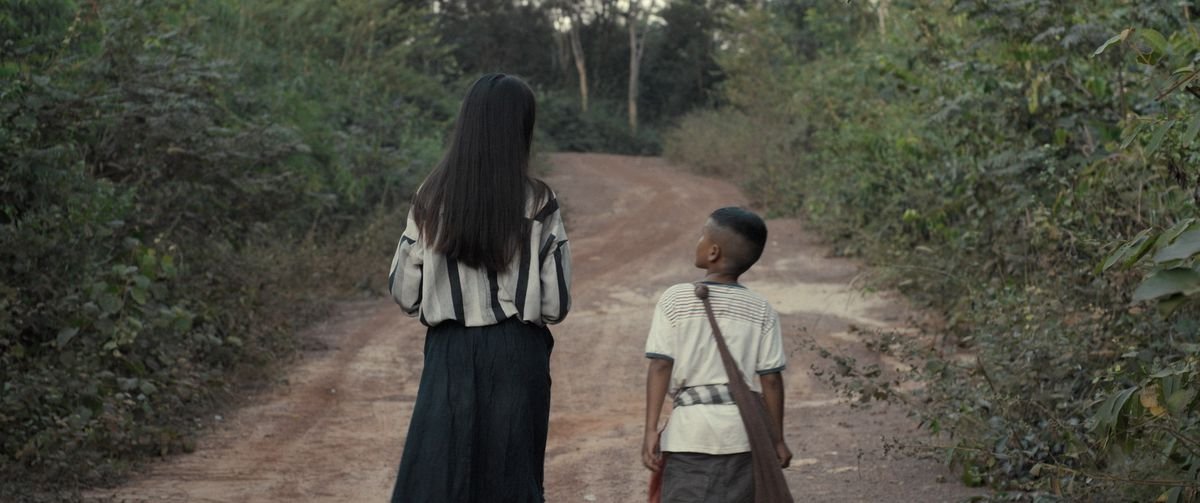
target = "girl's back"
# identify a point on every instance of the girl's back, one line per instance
(534, 286)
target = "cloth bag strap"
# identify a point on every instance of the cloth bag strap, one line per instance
(770, 486)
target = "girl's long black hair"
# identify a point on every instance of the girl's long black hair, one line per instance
(472, 207)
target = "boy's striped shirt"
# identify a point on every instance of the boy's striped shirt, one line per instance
(703, 420)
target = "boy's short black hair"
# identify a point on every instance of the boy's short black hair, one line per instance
(751, 230)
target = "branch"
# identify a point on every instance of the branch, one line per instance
(1145, 482)
(1176, 85)
(1191, 443)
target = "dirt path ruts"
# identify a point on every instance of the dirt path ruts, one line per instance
(333, 430)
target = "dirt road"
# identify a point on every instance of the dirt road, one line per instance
(333, 430)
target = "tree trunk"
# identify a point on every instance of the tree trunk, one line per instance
(633, 69)
(580, 61)
(637, 46)
(881, 10)
(562, 55)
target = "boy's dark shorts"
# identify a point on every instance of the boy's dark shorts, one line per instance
(691, 477)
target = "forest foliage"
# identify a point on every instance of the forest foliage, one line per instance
(1029, 169)
(187, 183)
(173, 210)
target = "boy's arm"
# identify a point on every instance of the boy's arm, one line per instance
(772, 386)
(658, 377)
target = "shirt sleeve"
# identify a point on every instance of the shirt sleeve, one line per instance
(771, 358)
(405, 279)
(555, 258)
(660, 341)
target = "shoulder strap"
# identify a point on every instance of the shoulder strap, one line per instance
(738, 387)
(769, 483)
(731, 368)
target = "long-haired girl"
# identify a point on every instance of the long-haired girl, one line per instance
(484, 263)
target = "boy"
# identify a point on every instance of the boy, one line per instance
(705, 453)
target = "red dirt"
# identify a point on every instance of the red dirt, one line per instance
(333, 430)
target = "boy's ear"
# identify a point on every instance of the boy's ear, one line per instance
(714, 253)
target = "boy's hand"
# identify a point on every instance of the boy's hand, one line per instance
(784, 454)
(651, 455)
(658, 375)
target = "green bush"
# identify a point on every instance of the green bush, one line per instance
(603, 128)
(178, 197)
(973, 155)
(761, 159)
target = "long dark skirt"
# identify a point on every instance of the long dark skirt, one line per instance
(478, 430)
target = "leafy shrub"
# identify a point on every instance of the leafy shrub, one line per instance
(169, 216)
(974, 155)
(603, 128)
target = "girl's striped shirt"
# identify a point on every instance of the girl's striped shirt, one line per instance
(535, 288)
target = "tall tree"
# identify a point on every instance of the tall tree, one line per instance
(562, 46)
(500, 36)
(680, 71)
(881, 10)
(568, 18)
(637, 21)
(575, 37)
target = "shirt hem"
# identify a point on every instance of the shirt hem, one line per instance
(715, 451)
